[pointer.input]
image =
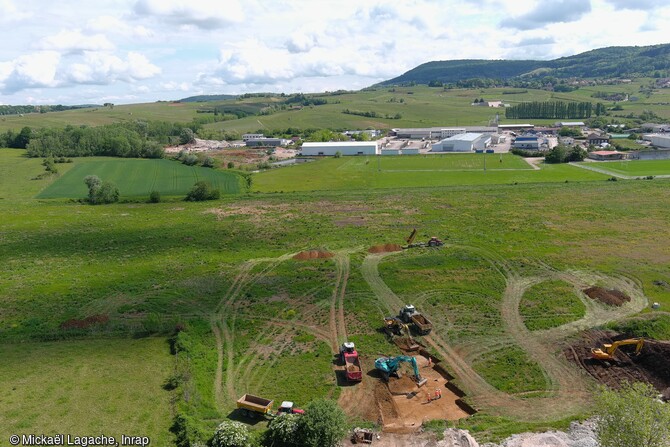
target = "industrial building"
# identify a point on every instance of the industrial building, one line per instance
(466, 142)
(252, 136)
(662, 141)
(343, 147)
(526, 142)
(607, 155)
(521, 127)
(267, 142)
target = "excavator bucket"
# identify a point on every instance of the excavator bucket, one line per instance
(421, 382)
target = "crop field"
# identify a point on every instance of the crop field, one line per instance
(355, 173)
(248, 309)
(636, 167)
(138, 178)
(86, 388)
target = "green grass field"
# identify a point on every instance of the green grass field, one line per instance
(138, 178)
(150, 267)
(636, 167)
(86, 388)
(550, 304)
(354, 173)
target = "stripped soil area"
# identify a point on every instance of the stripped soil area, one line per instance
(611, 297)
(652, 365)
(313, 254)
(385, 248)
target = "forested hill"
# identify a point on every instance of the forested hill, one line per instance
(602, 63)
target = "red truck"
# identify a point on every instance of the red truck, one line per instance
(352, 363)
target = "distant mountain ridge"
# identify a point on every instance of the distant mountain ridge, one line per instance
(610, 62)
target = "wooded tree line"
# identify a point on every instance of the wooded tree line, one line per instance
(133, 139)
(553, 110)
(17, 110)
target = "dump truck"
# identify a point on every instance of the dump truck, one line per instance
(252, 406)
(409, 314)
(352, 364)
(394, 326)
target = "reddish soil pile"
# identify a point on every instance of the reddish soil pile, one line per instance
(386, 248)
(651, 366)
(313, 254)
(612, 297)
(85, 323)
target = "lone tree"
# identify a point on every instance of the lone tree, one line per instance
(323, 424)
(632, 417)
(93, 182)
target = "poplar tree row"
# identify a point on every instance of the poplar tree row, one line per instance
(554, 110)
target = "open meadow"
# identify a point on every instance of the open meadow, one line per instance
(244, 314)
(86, 388)
(408, 171)
(636, 167)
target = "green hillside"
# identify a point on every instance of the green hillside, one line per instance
(603, 62)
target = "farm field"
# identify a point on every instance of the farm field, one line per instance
(138, 177)
(86, 388)
(636, 167)
(250, 313)
(419, 106)
(353, 173)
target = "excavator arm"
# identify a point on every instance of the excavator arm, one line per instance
(411, 237)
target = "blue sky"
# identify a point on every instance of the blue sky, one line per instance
(128, 51)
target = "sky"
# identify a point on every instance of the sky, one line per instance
(131, 51)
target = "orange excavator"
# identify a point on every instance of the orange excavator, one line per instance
(608, 350)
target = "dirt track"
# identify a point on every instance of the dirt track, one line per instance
(569, 389)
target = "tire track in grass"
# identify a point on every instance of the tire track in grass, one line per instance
(224, 312)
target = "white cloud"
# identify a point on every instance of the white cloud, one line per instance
(548, 12)
(176, 86)
(74, 41)
(29, 71)
(103, 68)
(113, 25)
(204, 14)
(10, 13)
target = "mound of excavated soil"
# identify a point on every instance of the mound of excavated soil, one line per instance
(651, 366)
(385, 248)
(612, 297)
(313, 254)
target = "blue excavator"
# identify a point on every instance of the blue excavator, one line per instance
(390, 365)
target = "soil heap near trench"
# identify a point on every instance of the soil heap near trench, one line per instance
(652, 365)
(313, 254)
(612, 297)
(385, 248)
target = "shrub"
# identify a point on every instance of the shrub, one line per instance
(202, 190)
(208, 162)
(323, 424)
(282, 430)
(231, 434)
(190, 160)
(108, 193)
(231, 165)
(154, 197)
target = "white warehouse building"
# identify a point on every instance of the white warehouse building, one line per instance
(343, 147)
(466, 142)
(661, 141)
